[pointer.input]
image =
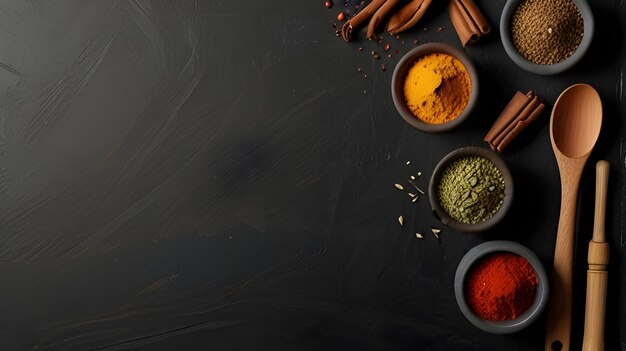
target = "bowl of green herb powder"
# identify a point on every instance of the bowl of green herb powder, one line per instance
(471, 189)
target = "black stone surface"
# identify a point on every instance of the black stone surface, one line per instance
(217, 174)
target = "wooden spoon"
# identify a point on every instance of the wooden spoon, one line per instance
(574, 129)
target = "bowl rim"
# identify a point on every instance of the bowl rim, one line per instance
(405, 63)
(526, 318)
(522, 62)
(441, 214)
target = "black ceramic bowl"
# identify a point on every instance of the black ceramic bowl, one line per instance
(401, 70)
(526, 318)
(521, 61)
(433, 192)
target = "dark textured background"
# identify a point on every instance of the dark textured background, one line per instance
(195, 174)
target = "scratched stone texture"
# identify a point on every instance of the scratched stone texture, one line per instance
(217, 175)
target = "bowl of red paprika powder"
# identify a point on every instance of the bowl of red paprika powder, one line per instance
(501, 287)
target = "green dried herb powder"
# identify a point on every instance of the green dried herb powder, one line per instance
(471, 189)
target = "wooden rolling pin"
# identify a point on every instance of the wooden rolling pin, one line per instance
(597, 275)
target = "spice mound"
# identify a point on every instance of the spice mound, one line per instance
(437, 88)
(501, 286)
(547, 31)
(471, 189)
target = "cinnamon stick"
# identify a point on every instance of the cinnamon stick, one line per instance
(516, 116)
(366, 13)
(407, 16)
(379, 15)
(468, 21)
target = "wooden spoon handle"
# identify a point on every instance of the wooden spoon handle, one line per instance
(560, 313)
(597, 276)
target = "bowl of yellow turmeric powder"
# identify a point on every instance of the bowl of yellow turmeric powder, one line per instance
(434, 87)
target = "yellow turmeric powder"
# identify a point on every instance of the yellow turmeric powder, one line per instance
(437, 88)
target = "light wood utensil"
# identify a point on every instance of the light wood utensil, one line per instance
(597, 275)
(574, 129)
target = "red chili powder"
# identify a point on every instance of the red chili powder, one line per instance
(500, 287)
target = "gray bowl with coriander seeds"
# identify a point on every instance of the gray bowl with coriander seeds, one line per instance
(471, 189)
(546, 36)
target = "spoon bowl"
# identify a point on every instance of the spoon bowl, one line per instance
(574, 129)
(576, 121)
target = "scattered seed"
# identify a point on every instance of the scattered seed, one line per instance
(334, 24)
(357, 6)
(402, 42)
(359, 70)
(441, 29)
(329, 4)
(436, 232)
(365, 76)
(338, 33)
(389, 55)
(408, 163)
(419, 236)
(419, 174)
(397, 37)
(415, 199)
(425, 29)
(376, 56)
(399, 186)
(341, 16)
(360, 49)
(401, 220)
(364, 91)
(373, 52)
(387, 47)
(416, 188)
(413, 177)
(415, 41)
(412, 194)
(382, 66)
